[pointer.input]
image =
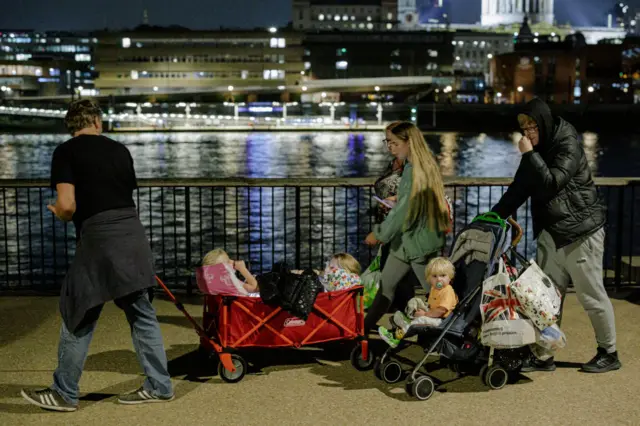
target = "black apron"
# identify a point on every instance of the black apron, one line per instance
(113, 259)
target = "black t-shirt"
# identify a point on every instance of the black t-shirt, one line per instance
(101, 170)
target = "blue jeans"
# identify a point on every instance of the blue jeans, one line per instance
(147, 342)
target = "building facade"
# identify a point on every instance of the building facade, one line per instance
(473, 50)
(507, 12)
(378, 54)
(46, 63)
(349, 15)
(562, 73)
(151, 60)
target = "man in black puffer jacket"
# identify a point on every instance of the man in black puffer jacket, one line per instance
(568, 221)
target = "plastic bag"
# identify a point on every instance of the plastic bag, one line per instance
(370, 279)
(538, 296)
(502, 326)
(551, 338)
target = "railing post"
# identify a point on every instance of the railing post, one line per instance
(619, 235)
(298, 230)
(187, 225)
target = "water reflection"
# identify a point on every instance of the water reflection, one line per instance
(262, 225)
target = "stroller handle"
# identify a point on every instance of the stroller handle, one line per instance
(518, 231)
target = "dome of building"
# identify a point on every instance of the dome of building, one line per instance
(508, 12)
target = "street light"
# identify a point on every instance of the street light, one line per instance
(273, 30)
(490, 55)
(499, 94)
(304, 88)
(520, 89)
(230, 88)
(590, 89)
(377, 88)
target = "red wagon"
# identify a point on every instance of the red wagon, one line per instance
(231, 323)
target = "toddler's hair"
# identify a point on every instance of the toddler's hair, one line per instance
(440, 266)
(214, 257)
(348, 262)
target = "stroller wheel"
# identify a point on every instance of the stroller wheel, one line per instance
(377, 370)
(391, 372)
(233, 377)
(358, 362)
(423, 388)
(483, 374)
(496, 377)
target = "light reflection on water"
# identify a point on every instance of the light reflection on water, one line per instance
(261, 225)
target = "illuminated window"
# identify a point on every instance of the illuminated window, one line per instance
(83, 57)
(126, 42)
(134, 75)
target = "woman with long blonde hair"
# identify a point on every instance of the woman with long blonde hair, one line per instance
(415, 227)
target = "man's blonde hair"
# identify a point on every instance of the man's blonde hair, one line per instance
(440, 266)
(348, 263)
(214, 257)
(81, 114)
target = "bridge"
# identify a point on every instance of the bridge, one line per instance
(309, 86)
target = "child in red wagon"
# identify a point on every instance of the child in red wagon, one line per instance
(217, 256)
(441, 302)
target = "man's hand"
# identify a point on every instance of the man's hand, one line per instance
(525, 145)
(64, 215)
(371, 240)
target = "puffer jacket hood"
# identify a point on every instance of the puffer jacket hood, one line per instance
(544, 118)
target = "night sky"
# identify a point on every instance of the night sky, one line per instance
(209, 14)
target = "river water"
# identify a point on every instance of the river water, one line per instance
(262, 225)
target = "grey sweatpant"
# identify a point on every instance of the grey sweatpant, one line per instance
(395, 270)
(580, 263)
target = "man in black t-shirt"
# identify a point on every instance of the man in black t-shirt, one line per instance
(94, 178)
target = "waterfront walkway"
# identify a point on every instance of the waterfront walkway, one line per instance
(302, 387)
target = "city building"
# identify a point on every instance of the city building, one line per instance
(569, 72)
(473, 50)
(45, 63)
(172, 60)
(330, 55)
(507, 12)
(345, 15)
(631, 65)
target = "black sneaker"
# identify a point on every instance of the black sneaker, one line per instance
(141, 396)
(534, 364)
(48, 399)
(602, 362)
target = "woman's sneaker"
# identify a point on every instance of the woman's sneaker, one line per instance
(388, 337)
(48, 399)
(141, 396)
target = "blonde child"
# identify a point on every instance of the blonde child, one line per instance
(342, 272)
(218, 256)
(441, 302)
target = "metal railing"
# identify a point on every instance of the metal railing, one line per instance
(301, 221)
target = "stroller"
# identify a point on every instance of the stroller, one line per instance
(455, 340)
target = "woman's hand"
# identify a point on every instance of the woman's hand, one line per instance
(371, 240)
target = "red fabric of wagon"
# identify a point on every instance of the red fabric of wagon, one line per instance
(245, 321)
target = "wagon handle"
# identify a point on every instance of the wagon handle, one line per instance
(518, 231)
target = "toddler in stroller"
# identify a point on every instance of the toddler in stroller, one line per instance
(441, 302)
(475, 255)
